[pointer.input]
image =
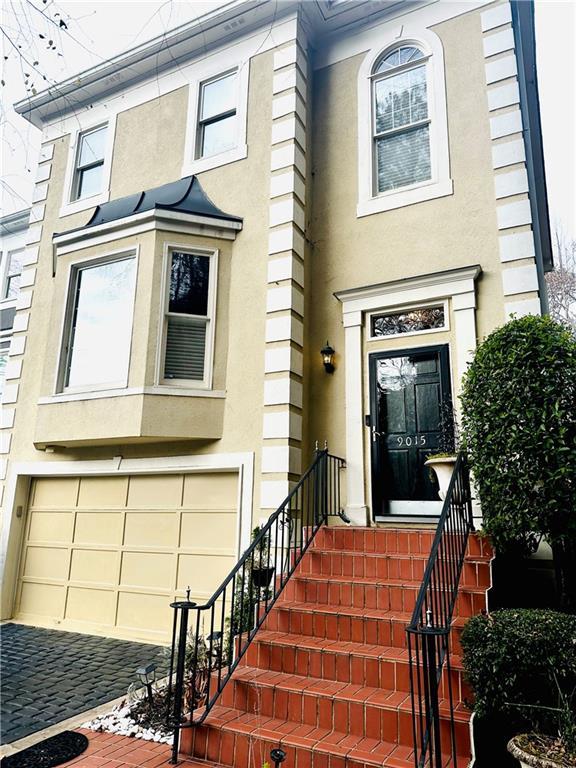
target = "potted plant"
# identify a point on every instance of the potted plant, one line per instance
(521, 665)
(443, 458)
(261, 571)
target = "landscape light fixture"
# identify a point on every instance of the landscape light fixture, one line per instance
(327, 353)
(147, 676)
(277, 756)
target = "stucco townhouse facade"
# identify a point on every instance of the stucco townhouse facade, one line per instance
(214, 209)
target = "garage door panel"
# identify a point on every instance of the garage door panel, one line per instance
(42, 599)
(207, 570)
(147, 569)
(111, 553)
(100, 492)
(209, 530)
(96, 606)
(151, 529)
(55, 492)
(51, 526)
(46, 563)
(143, 611)
(95, 527)
(94, 565)
(210, 491)
(147, 491)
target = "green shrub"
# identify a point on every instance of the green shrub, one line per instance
(519, 429)
(519, 660)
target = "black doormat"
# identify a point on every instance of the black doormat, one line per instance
(48, 753)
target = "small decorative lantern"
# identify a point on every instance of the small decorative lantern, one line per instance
(277, 756)
(327, 353)
(147, 676)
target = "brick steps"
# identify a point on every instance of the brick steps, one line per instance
(327, 676)
(373, 665)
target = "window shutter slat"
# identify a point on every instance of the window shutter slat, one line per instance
(185, 349)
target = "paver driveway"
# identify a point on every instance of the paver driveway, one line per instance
(49, 676)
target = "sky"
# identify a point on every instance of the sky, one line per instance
(98, 29)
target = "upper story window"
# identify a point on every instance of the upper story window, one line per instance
(189, 318)
(11, 273)
(401, 119)
(217, 115)
(89, 167)
(403, 155)
(98, 327)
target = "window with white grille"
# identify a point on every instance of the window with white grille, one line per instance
(401, 122)
(189, 318)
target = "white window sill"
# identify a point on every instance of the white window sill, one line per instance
(215, 161)
(84, 203)
(400, 198)
(66, 397)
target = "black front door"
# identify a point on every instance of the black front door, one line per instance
(407, 390)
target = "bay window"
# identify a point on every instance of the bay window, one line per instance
(189, 317)
(98, 329)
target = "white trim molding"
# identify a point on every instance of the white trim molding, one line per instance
(459, 285)
(440, 183)
(203, 73)
(20, 475)
(70, 206)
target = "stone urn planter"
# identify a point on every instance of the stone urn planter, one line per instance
(536, 751)
(443, 467)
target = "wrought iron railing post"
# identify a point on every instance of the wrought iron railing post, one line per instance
(183, 607)
(429, 628)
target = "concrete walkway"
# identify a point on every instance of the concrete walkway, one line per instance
(50, 676)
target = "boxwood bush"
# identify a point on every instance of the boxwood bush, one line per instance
(519, 428)
(515, 659)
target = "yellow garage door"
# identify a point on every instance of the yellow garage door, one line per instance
(109, 554)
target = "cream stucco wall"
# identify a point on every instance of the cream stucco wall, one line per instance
(340, 252)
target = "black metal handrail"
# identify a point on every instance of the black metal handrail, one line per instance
(204, 657)
(429, 630)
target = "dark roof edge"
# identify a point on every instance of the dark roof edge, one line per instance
(525, 41)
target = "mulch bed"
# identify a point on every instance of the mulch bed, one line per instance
(48, 753)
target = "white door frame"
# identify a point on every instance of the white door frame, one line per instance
(459, 285)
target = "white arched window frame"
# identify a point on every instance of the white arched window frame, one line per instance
(439, 184)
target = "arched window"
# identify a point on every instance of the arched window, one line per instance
(400, 119)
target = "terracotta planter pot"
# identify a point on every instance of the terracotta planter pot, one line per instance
(443, 467)
(528, 760)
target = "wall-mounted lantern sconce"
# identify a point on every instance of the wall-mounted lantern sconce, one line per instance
(327, 353)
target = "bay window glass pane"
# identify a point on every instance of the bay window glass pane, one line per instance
(101, 324)
(92, 147)
(218, 136)
(189, 274)
(218, 96)
(403, 158)
(14, 274)
(401, 99)
(90, 181)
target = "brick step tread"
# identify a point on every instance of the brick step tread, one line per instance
(310, 643)
(349, 610)
(339, 691)
(376, 581)
(371, 752)
(318, 548)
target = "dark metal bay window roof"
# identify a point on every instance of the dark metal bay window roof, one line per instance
(182, 196)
